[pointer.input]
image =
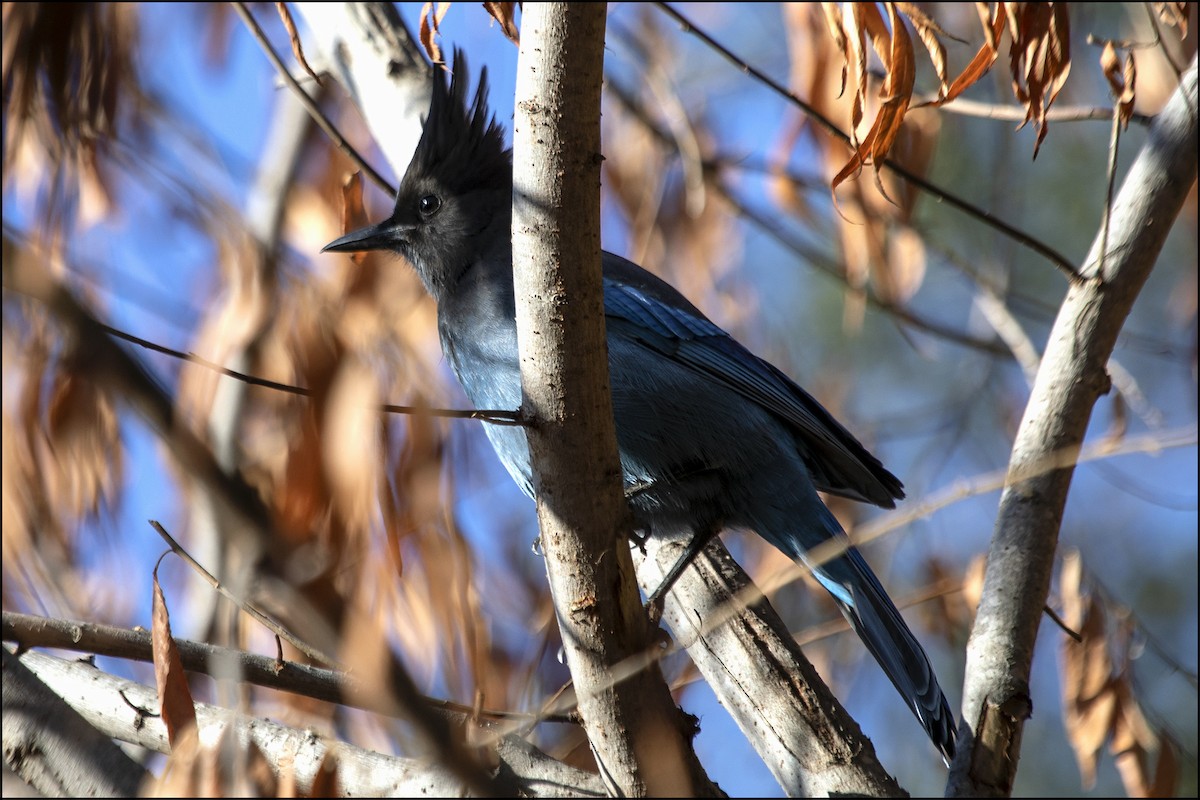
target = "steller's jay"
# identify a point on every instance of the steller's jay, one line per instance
(710, 436)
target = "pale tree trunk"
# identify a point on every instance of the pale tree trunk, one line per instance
(1071, 378)
(55, 750)
(68, 751)
(636, 732)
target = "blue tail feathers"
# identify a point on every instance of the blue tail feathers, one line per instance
(878, 623)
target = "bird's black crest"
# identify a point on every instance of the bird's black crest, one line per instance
(462, 143)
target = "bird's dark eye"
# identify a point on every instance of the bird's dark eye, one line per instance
(429, 205)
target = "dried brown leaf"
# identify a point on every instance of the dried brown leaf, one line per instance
(302, 497)
(1175, 15)
(929, 31)
(350, 444)
(832, 12)
(988, 52)
(1039, 58)
(432, 15)
(874, 250)
(1121, 75)
(504, 14)
(988, 18)
(1132, 740)
(69, 79)
(325, 782)
(856, 34)
(1089, 693)
(294, 37)
(84, 439)
(38, 541)
(354, 216)
(895, 50)
(181, 775)
(174, 696)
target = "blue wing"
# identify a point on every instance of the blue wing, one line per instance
(640, 307)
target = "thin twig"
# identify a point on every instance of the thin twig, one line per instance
(1061, 623)
(1113, 148)
(310, 105)
(262, 617)
(1011, 113)
(491, 416)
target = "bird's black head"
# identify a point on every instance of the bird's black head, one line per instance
(454, 203)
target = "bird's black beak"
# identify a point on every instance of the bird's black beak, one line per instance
(387, 235)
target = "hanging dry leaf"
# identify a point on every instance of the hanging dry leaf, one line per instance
(832, 13)
(353, 214)
(1133, 737)
(1132, 741)
(894, 47)
(1039, 58)
(84, 440)
(877, 247)
(989, 51)
(1089, 701)
(1175, 15)
(325, 782)
(929, 31)
(174, 696)
(350, 440)
(432, 15)
(503, 13)
(1122, 79)
(294, 37)
(182, 774)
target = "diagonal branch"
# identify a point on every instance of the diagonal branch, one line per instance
(1071, 379)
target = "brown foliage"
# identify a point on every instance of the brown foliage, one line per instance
(1099, 702)
(174, 696)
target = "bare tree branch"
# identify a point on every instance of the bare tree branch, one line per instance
(636, 733)
(1072, 376)
(53, 748)
(758, 672)
(125, 710)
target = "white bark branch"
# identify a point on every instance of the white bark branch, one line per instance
(115, 708)
(1072, 376)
